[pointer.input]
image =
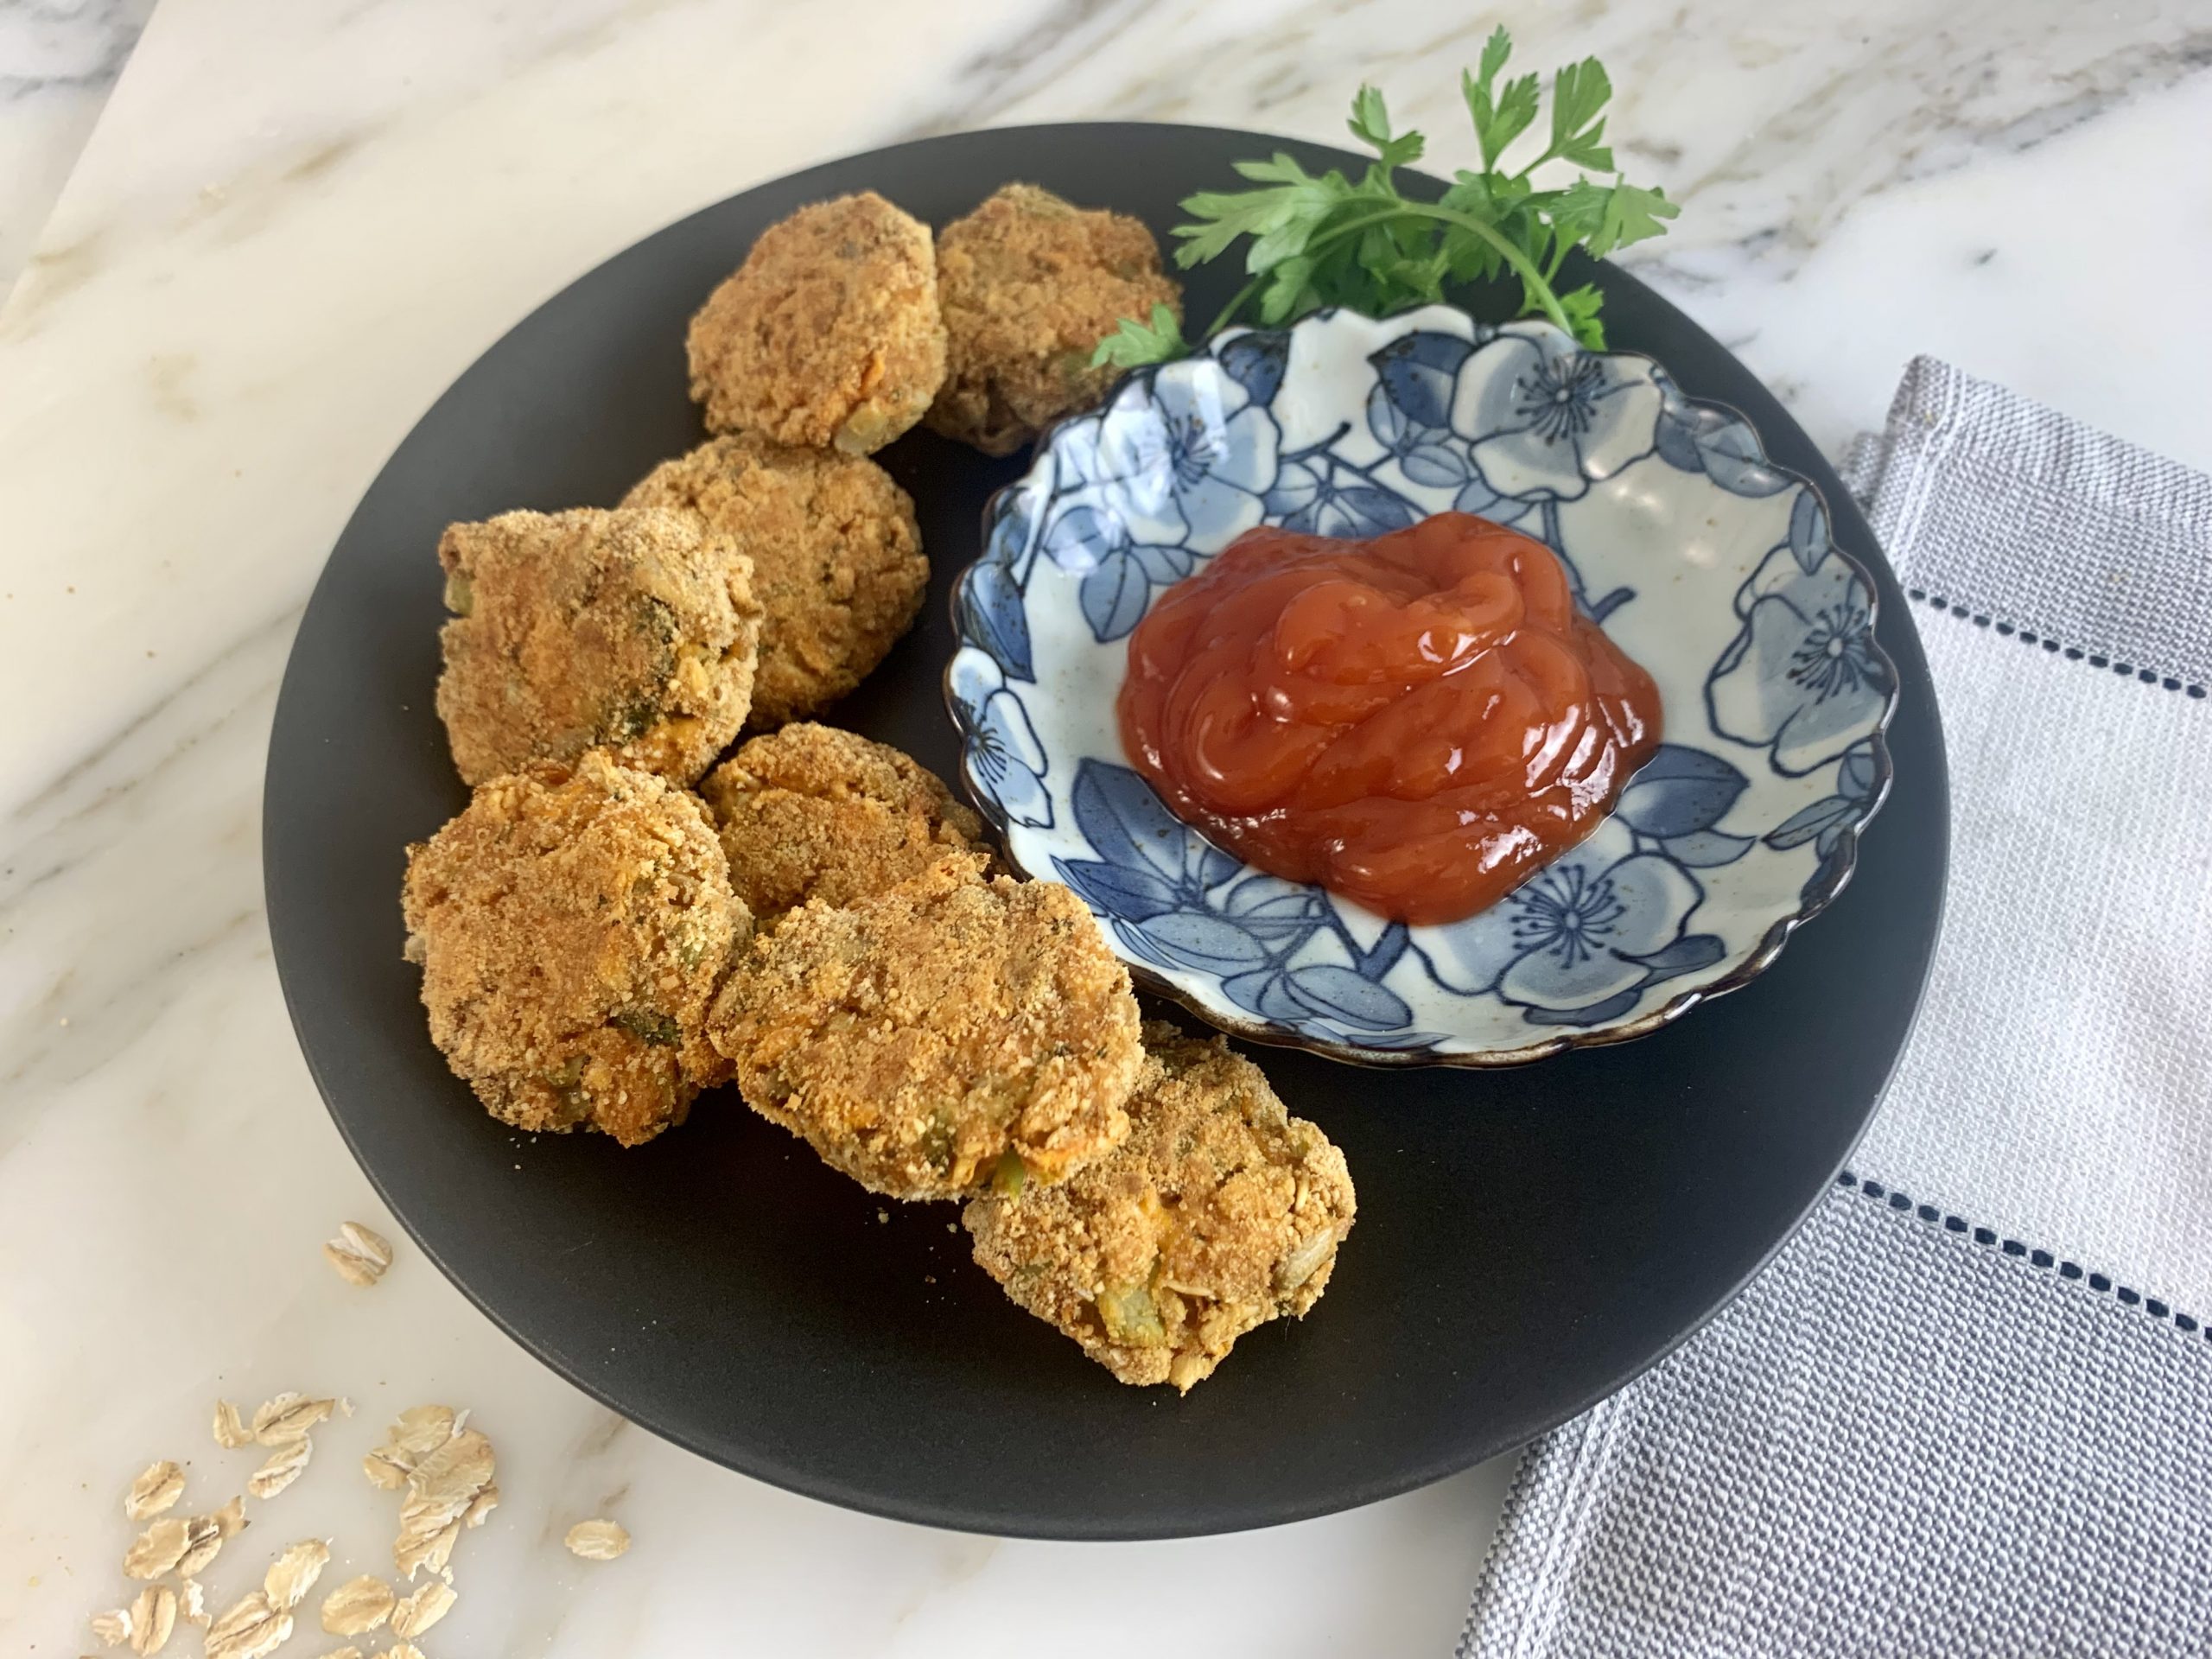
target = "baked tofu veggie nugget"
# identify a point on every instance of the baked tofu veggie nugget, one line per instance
(633, 630)
(1219, 1213)
(837, 561)
(1029, 285)
(828, 335)
(813, 812)
(943, 1034)
(573, 927)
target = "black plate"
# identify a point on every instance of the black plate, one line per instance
(1527, 1241)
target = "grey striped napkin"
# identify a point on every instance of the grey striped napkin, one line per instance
(1967, 1410)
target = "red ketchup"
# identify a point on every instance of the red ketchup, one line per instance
(1420, 722)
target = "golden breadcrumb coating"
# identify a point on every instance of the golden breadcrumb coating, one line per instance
(634, 630)
(837, 561)
(572, 928)
(1220, 1212)
(828, 335)
(812, 812)
(1029, 285)
(920, 1038)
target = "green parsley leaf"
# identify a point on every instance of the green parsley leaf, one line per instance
(1605, 217)
(1516, 108)
(1498, 122)
(1495, 50)
(1135, 343)
(1637, 215)
(1371, 124)
(1321, 240)
(1580, 212)
(1285, 295)
(1582, 305)
(1505, 203)
(1295, 201)
(1579, 92)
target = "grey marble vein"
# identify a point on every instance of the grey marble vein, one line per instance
(58, 60)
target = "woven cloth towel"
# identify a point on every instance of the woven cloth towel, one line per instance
(1967, 1410)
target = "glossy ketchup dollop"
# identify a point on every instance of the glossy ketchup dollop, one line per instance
(1419, 722)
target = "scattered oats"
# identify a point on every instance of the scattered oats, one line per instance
(289, 1417)
(292, 1574)
(422, 1610)
(384, 1470)
(401, 1650)
(231, 1433)
(282, 1467)
(357, 1607)
(481, 1510)
(153, 1615)
(155, 1491)
(248, 1629)
(344, 1653)
(440, 1489)
(597, 1541)
(112, 1630)
(203, 1536)
(418, 1548)
(451, 1477)
(156, 1550)
(419, 1431)
(359, 1256)
(232, 1518)
(191, 1601)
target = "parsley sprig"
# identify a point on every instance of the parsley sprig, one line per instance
(1330, 241)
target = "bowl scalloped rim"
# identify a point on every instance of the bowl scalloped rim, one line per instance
(1834, 875)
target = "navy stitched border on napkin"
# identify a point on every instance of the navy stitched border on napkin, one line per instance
(1898, 1441)
(1934, 1425)
(2011, 549)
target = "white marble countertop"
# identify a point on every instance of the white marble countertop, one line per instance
(59, 61)
(298, 219)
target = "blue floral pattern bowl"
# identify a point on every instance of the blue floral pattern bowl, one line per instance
(1709, 565)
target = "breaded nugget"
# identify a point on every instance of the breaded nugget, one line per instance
(573, 927)
(1220, 1212)
(829, 334)
(921, 1039)
(634, 630)
(1029, 285)
(837, 562)
(812, 812)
